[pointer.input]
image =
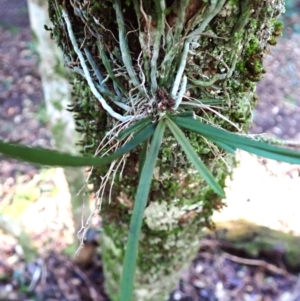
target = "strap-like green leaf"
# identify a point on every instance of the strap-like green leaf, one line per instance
(142, 156)
(194, 158)
(55, 158)
(138, 214)
(225, 146)
(106, 63)
(237, 141)
(185, 114)
(211, 101)
(135, 127)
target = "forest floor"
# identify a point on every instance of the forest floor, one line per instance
(214, 274)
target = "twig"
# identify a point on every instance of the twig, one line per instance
(257, 262)
(214, 243)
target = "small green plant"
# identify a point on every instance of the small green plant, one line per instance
(153, 130)
(159, 89)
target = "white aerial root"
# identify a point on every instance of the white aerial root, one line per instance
(160, 9)
(126, 57)
(208, 16)
(109, 176)
(198, 104)
(141, 85)
(181, 92)
(88, 77)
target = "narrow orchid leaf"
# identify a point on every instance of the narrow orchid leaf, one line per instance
(138, 214)
(194, 157)
(135, 127)
(55, 158)
(211, 101)
(142, 156)
(237, 141)
(185, 114)
(225, 146)
(138, 138)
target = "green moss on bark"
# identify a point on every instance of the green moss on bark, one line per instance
(223, 63)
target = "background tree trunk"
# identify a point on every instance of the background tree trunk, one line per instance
(57, 96)
(148, 55)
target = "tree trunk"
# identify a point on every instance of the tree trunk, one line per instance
(141, 58)
(57, 96)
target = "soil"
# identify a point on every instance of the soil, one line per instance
(214, 274)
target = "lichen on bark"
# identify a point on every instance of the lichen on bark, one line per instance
(144, 57)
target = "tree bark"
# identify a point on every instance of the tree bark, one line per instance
(57, 96)
(141, 58)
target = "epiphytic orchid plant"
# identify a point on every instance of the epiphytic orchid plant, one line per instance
(140, 132)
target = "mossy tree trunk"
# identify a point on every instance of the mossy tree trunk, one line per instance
(134, 59)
